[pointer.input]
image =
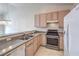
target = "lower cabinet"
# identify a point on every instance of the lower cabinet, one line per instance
(29, 50)
(19, 51)
(61, 45)
(33, 45)
(39, 40)
(43, 39)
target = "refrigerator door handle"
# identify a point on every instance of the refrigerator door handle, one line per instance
(68, 39)
(64, 32)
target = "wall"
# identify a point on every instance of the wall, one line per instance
(21, 19)
(22, 15)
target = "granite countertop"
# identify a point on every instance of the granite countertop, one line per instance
(7, 46)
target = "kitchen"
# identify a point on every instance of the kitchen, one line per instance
(28, 29)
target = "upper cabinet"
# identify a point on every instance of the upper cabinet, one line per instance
(52, 16)
(42, 20)
(55, 16)
(61, 16)
(49, 16)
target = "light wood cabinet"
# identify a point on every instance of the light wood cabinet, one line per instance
(43, 20)
(61, 41)
(61, 16)
(44, 39)
(29, 50)
(19, 51)
(54, 15)
(35, 44)
(39, 40)
(49, 16)
(40, 20)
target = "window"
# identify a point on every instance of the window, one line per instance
(2, 29)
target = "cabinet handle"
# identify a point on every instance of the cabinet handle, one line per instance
(64, 32)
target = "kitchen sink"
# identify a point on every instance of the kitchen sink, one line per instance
(27, 36)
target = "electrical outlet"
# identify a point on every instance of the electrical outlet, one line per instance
(8, 39)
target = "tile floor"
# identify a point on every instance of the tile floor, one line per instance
(43, 51)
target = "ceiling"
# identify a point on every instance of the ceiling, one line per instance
(4, 7)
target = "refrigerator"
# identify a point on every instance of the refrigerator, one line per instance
(71, 32)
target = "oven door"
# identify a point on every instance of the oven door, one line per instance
(52, 40)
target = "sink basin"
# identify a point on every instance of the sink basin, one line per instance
(27, 36)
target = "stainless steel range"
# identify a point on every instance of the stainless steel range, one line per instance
(52, 37)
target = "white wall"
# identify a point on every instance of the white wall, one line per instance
(22, 15)
(21, 18)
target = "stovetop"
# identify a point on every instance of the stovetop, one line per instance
(52, 32)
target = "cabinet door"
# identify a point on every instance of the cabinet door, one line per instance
(44, 39)
(43, 22)
(61, 16)
(29, 50)
(35, 44)
(54, 15)
(37, 21)
(20, 51)
(39, 39)
(49, 16)
(61, 44)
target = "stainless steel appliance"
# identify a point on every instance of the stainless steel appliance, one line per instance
(52, 37)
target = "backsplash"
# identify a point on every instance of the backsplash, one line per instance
(53, 25)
